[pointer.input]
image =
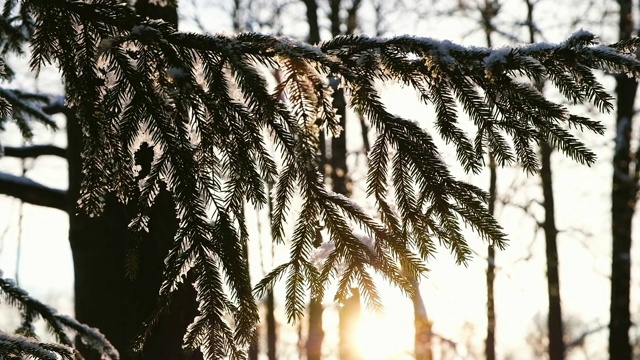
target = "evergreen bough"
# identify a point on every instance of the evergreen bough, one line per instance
(24, 343)
(205, 104)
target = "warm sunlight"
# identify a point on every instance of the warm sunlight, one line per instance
(320, 180)
(386, 336)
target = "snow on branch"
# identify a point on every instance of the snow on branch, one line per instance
(17, 346)
(25, 107)
(24, 343)
(173, 85)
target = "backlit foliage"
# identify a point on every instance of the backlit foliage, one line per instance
(205, 104)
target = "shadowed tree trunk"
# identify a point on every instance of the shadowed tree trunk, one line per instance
(254, 344)
(488, 12)
(104, 297)
(349, 313)
(556, 341)
(338, 172)
(490, 342)
(554, 320)
(623, 196)
(271, 326)
(270, 298)
(315, 335)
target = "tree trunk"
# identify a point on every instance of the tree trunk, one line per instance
(622, 204)
(316, 332)
(422, 349)
(271, 303)
(254, 344)
(554, 319)
(349, 314)
(349, 317)
(104, 297)
(556, 341)
(271, 326)
(315, 335)
(490, 343)
(488, 13)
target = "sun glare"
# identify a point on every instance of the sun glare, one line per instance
(387, 336)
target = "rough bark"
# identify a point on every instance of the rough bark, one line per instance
(104, 297)
(623, 195)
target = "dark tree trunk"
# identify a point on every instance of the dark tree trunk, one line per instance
(312, 20)
(554, 319)
(271, 326)
(157, 10)
(272, 336)
(339, 180)
(490, 344)
(254, 344)
(349, 314)
(556, 341)
(104, 297)
(488, 13)
(622, 205)
(315, 335)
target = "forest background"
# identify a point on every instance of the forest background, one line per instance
(34, 245)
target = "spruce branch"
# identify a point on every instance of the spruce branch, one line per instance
(205, 104)
(18, 347)
(57, 324)
(23, 108)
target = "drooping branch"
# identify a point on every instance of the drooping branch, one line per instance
(147, 79)
(32, 192)
(34, 151)
(59, 325)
